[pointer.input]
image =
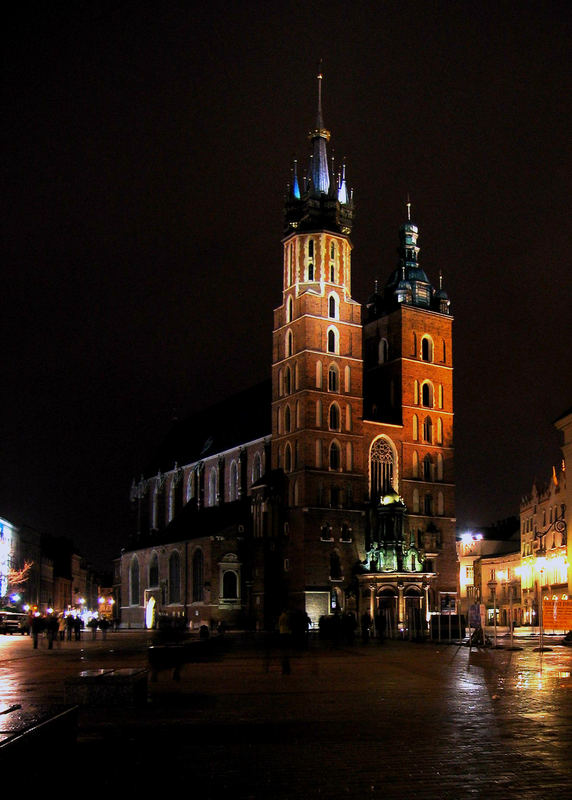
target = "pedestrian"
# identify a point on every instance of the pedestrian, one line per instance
(37, 628)
(69, 626)
(62, 627)
(104, 625)
(77, 626)
(52, 629)
(93, 625)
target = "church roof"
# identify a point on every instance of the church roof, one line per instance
(239, 419)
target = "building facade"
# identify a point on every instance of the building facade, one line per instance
(336, 491)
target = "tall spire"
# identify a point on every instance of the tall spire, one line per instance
(319, 172)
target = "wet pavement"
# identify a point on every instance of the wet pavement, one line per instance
(399, 720)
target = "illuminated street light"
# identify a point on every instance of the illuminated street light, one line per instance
(540, 567)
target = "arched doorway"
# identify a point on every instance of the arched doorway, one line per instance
(386, 616)
(414, 613)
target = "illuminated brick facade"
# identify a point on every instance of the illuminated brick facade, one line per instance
(340, 497)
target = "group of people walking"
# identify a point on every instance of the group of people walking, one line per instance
(62, 627)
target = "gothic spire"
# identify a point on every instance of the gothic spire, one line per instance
(319, 172)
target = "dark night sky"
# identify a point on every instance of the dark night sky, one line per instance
(147, 147)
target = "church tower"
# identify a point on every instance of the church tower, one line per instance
(317, 373)
(408, 405)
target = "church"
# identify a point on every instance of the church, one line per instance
(330, 488)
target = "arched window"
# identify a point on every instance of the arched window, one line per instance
(347, 379)
(428, 430)
(230, 585)
(334, 417)
(288, 458)
(318, 413)
(439, 431)
(348, 417)
(427, 394)
(333, 340)
(335, 456)
(333, 306)
(333, 378)
(211, 497)
(289, 343)
(427, 348)
(415, 428)
(441, 395)
(287, 380)
(427, 468)
(174, 577)
(318, 374)
(289, 308)
(349, 456)
(190, 486)
(428, 505)
(287, 420)
(439, 467)
(382, 351)
(414, 345)
(233, 481)
(298, 414)
(154, 570)
(381, 467)
(335, 567)
(416, 392)
(134, 599)
(256, 468)
(415, 465)
(311, 260)
(332, 262)
(198, 577)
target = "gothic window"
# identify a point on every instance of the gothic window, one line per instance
(427, 348)
(428, 505)
(416, 392)
(134, 582)
(333, 306)
(382, 351)
(348, 417)
(256, 468)
(288, 458)
(198, 576)
(414, 344)
(311, 260)
(427, 394)
(335, 457)
(289, 343)
(319, 453)
(287, 380)
(211, 495)
(415, 465)
(444, 352)
(318, 374)
(287, 420)
(427, 430)
(335, 567)
(154, 570)
(171, 500)
(233, 481)
(333, 340)
(334, 417)
(296, 376)
(298, 414)
(333, 378)
(441, 395)
(349, 457)
(415, 428)
(318, 413)
(439, 467)
(381, 467)
(289, 310)
(174, 577)
(347, 379)
(190, 487)
(427, 468)
(439, 431)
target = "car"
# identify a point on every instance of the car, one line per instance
(13, 622)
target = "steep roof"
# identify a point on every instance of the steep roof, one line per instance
(240, 418)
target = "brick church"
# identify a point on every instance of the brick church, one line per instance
(329, 489)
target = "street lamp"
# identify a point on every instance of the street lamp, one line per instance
(493, 587)
(540, 567)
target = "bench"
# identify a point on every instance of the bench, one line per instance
(175, 656)
(47, 731)
(104, 687)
